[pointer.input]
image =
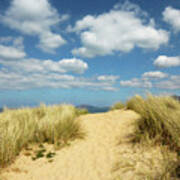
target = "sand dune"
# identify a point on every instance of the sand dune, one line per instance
(90, 159)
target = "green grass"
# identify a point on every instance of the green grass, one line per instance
(118, 105)
(42, 152)
(50, 155)
(18, 128)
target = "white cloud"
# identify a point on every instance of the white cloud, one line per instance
(49, 42)
(154, 80)
(172, 16)
(56, 76)
(110, 78)
(24, 80)
(175, 77)
(136, 83)
(73, 65)
(11, 52)
(154, 75)
(44, 66)
(119, 30)
(165, 61)
(11, 48)
(35, 73)
(28, 73)
(173, 83)
(35, 17)
(110, 88)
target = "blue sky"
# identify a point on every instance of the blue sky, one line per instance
(87, 52)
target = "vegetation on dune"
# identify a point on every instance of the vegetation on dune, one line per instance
(118, 105)
(55, 124)
(159, 124)
(160, 119)
(81, 111)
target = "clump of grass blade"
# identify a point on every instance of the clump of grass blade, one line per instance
(118, 105)
(18, 128)
(81, 111)
(160, 119)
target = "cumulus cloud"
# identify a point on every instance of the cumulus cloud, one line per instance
(136, 83)
(11, 52)
(172, 16)
(119, 30)
(23, 80)
(11, 48)
(145, 81)
(154, 75)
(73, 65)
(35, 17)
(111, 78)
(35, 73)
(173, 83)
(154, 79)
(44, 66)
(50, 41)
(165, 61)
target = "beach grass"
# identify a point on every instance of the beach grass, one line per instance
(159, 125)
(160, 119)
(51, 124)
(116, 106)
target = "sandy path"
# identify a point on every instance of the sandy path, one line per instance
(88, 159)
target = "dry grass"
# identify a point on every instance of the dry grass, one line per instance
(118, 105)
(160, 120)
(148, 163)
(159, 125)
(55, 124)
(81, 111)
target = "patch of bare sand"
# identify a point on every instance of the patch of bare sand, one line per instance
(92, 158)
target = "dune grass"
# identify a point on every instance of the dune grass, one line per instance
(160, 119)
(55, 124)
(116, 106)
(81, 111)
(159, 125)
(161, 164)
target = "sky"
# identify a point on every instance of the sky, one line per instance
(94, 52)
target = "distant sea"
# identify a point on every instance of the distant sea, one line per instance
(94, 109)
(91, 109)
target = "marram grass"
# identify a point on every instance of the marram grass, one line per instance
(116, 106)
(159, 126)
(54, 124)
(81, 111)
(160, 119)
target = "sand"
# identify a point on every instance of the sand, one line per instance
(92, 158)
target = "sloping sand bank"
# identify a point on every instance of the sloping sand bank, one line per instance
(89, 159)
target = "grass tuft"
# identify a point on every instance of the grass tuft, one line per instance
(18, 128)
(160, 120)
(81, 111)
(118, 105)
